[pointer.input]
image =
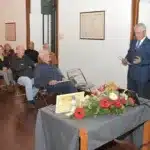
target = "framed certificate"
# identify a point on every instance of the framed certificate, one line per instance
(92, 25)
(64, 102)
(10, 31)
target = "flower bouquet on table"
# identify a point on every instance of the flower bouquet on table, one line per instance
(103, 101)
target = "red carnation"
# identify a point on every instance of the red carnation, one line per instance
(79, 113)
(105, 103)
(131, 101)
(123, 101)
(117, 104)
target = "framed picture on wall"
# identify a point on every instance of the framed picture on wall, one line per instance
(92, 25)
(10, 31)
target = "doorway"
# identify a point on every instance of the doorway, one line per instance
(51, 27)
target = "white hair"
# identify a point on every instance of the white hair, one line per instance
(142, 26)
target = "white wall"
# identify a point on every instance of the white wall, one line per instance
(98, 59)
(36, 27)
(13, 11)
(144, 11)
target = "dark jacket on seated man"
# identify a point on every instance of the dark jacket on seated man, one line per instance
(4, 63)
(22, 67)
(45, 73)
(32, 54)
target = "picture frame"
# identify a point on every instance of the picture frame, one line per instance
(92, 25)
(10, 31)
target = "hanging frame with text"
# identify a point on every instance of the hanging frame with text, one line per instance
(92, 25)
(10, 31)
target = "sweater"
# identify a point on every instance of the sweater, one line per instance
(44, 73)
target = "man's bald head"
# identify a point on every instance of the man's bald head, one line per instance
(31, 45)
(20, 50)
(46, 46)
(44, 56)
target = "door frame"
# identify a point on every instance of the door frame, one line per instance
(57, 30)
(28, 11)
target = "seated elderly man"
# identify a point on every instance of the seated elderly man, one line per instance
(22, 68)
(48, 76)
(53, 58)
(46, 46)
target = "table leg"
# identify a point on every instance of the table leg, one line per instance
(83, 139)
(146, 135)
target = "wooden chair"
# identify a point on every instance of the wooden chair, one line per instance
(3, 86)
(18, 90)
(54, 59)
(42, 96)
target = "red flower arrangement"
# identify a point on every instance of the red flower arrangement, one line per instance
(104, 100)
(79, 113)
(105, 103)
(118, 104)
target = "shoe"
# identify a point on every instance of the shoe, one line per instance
(31, 104)
(35, 98)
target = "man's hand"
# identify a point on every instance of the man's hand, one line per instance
(5, 69)
(64, 79)
(53, 82)
(137, 60)
(124, 61)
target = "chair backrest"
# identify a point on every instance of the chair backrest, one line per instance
(76, 76)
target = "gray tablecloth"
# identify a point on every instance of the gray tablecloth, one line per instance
(56, 132)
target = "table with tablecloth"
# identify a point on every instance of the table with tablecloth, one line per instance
(57, 132)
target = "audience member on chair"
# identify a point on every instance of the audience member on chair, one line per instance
(22, 68)
(31, 53)
(5, 71)
(48, 76)
(53, 58)
(8, 51)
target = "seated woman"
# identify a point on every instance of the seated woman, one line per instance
(5, 71)
(8, 51)
(48, 76)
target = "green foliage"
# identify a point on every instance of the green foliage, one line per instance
(94, 109)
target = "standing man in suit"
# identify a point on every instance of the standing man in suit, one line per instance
(138, 61)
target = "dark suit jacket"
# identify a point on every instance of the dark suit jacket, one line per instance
(139, 72)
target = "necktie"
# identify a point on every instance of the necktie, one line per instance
(137, 44)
